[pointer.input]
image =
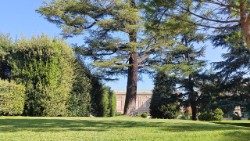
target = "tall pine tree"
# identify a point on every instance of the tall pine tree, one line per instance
(115, 39)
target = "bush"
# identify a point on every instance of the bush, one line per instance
(216, 115)
(144, 115)
(12, 97)
(206, 116)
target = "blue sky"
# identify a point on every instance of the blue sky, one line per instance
(19, 19)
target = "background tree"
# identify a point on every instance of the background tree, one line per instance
(180, 57)
(216, 16)
(5, 46)
(114, 36)
(164, 101)
(234, 69)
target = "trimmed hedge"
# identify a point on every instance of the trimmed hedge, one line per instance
(45, 67)
(56, 82)
(12, 97)
(80, 97)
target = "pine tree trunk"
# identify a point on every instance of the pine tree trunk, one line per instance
(245, 22)
(130, 101)
(193, 107)
(192, 98)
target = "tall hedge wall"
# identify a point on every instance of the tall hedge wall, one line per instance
(45, 67)
(57, 83)
(80, 98)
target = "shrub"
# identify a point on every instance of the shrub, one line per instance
(144, 115)
(12, 97)
(216, 115)
(206, 116)
(118, 114)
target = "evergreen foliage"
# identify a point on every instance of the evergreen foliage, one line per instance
(57, 83)
(164, 102)
(5, 47)
(44, 66)
(12, 98)
(102, 21)
(80, 97)
(103, 101)
(215, 115)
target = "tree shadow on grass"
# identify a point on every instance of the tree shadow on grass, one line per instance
(60, 125)
(242, 124)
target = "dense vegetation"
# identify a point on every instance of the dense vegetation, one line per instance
(164, 101)
(133, 37)
(56, 82)
(12, 98)
(162, 38)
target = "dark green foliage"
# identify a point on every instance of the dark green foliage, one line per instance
(234, 70)
(12, 97)
(5, 46)
(103, 100)
(45, 67)
(206, 116)
(144, 115)
(216, 115)
(102, 21)
(164, 103)
(236, 116)
(248, 108)
(57, 83)
(96, 97)
(112, 104)
(80, 98)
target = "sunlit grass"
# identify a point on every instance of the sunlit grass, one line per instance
(119, 128)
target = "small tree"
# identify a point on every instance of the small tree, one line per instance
(164, 103)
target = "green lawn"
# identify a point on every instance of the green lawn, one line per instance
(119, 128)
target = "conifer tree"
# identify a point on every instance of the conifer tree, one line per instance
(115, 39)
(164, 102)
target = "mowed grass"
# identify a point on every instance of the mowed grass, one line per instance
(120, 129)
